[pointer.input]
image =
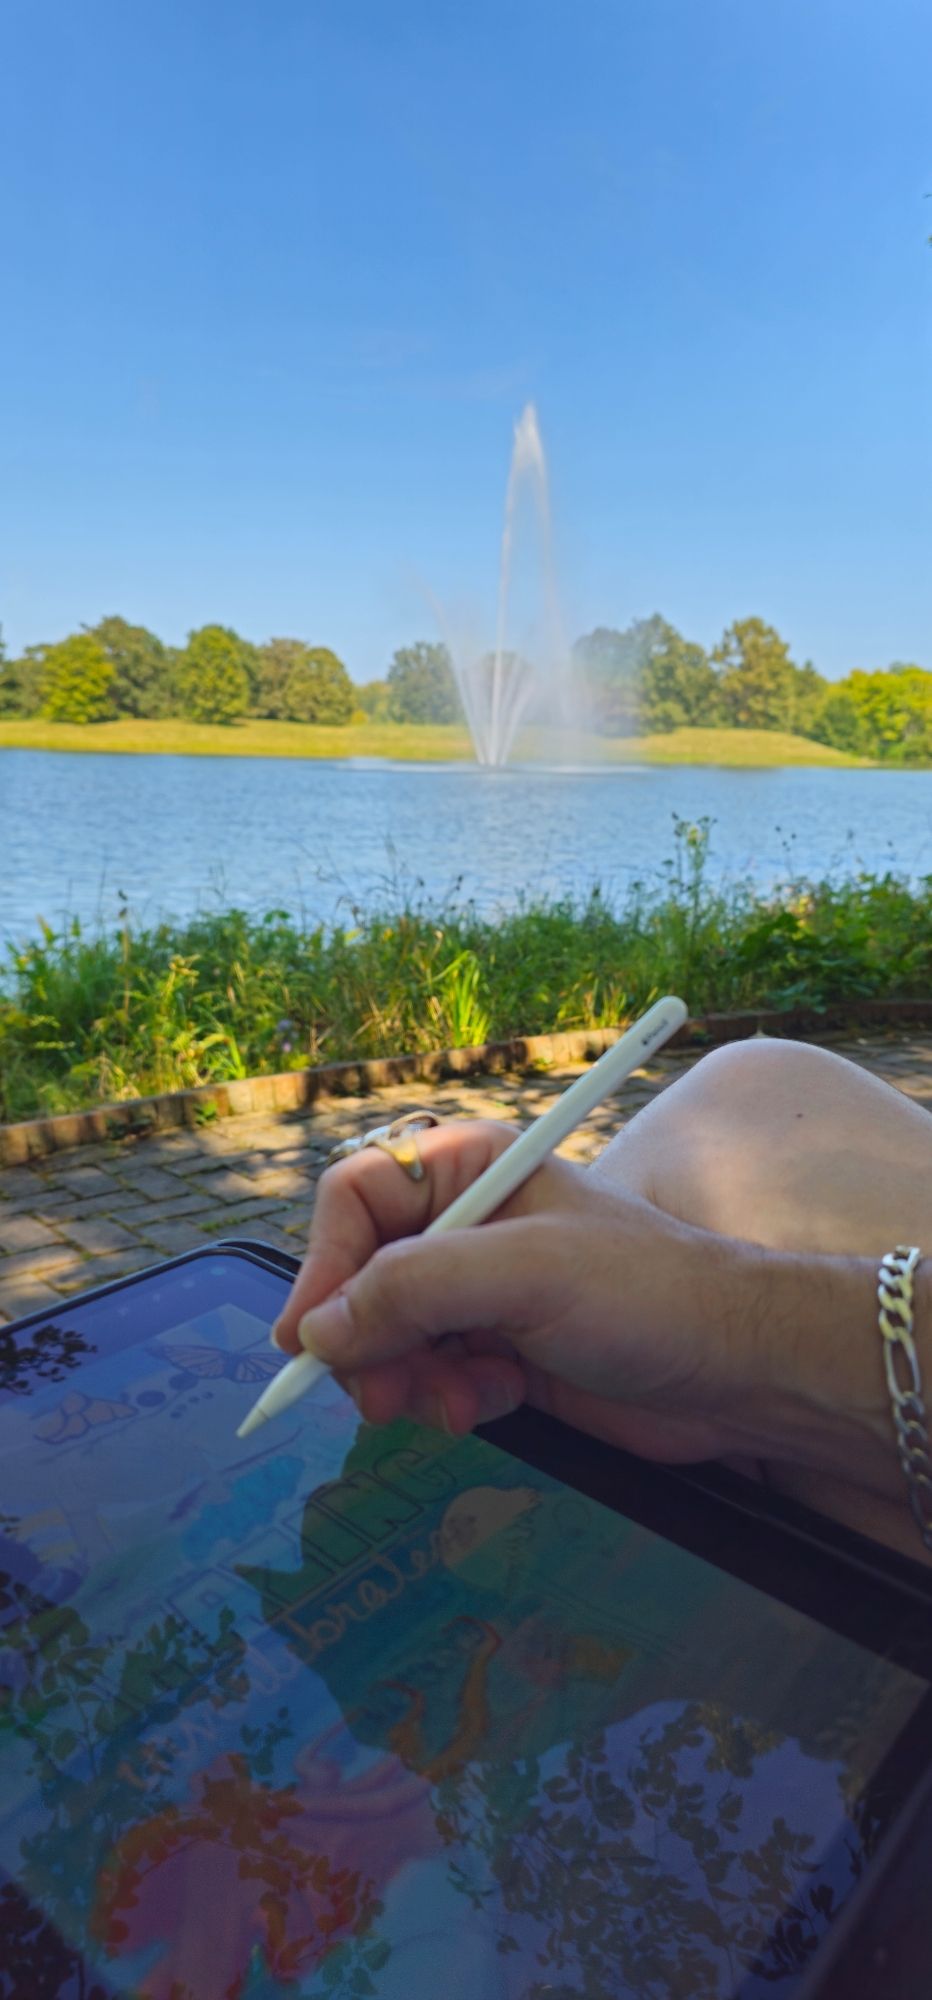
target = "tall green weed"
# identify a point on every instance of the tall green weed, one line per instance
(90, 1017)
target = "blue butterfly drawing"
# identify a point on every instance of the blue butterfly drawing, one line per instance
(212, 1363)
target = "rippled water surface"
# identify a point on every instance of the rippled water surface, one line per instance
(174, 834)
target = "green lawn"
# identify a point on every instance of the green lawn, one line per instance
(431, 743)
(752, 747)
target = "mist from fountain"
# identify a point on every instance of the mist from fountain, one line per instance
(501, 688)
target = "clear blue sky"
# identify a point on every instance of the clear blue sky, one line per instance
(278, 276)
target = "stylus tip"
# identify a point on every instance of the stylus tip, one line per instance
(252, 1422)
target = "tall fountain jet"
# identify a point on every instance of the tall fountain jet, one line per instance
(498, 689)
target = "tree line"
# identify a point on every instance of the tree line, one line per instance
(645, 678)
(115, 669)
(650, 678)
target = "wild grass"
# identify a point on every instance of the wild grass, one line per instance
(409, 742)
(92, 1017)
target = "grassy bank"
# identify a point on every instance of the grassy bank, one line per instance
(86, 1019)
(411, 742)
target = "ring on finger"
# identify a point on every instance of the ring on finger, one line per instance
(398, 1140)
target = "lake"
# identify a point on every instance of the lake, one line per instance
(175, 834)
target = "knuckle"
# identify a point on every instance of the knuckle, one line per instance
(337, 1177)
(497, 1132)
(390, 1279)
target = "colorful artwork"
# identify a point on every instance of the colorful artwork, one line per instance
(338, 1712)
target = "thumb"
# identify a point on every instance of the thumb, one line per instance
(514, 1278)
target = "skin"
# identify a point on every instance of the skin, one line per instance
(706, 1290)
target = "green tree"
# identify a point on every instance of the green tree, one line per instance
(275, 661)
(421, 685)
(885, 715)
(679, 686)
(757, 679)
(648, 677)
(842, 723)
(373, 698)
(213, 675)
(21, 683)
(809, 694)
(76, 681)
(612, 664)
(141, 667)
(318, 688)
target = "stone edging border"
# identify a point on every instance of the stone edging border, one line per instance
(296, 1090)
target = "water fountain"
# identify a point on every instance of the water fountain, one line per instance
(499, 689)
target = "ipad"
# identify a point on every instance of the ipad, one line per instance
(340, 1712)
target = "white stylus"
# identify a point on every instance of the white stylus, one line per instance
(505, 1174)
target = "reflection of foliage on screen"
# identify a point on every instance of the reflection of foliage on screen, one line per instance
(45, 1356)
(253, 1825)
(66, 1698)
(646, 1886)
(38, 1963)
(106, 1734)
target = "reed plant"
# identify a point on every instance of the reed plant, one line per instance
(93, 1016)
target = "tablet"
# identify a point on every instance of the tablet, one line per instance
(343, 1711)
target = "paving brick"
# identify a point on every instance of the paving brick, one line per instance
(24, 1265)
(107, 1268)
(137, 1213)
(215, 1142)
(46, 1201)
(300, 1152)
(78, 1208)
(81, 1180)
(168, 1149)
(255, 1175)
(253, 1160)
(152, 1182)
(280, 1181)
(277, 1138)
(171, 1239)
(221, 1185)
(228, 1216)
(121, 1202)
(98, 1236)
(25, 1232)
(296, 1220)
(18, 1300)
(269, 1238)
(18, 1183)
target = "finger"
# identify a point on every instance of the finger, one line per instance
(453, 1393)
(369, 1200)
(509, 1277)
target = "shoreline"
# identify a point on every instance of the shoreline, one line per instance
(124, 1013)
(426, 743)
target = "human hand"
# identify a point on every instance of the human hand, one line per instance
(590, 1304)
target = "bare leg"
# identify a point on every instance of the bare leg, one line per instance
(789, 1146)
(785, 1145)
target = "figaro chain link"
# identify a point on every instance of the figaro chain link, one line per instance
(895, 1295)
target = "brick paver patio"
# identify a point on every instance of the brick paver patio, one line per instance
(99, 1212)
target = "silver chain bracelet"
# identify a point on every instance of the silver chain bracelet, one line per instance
(895, 1293)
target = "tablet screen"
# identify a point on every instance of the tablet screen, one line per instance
(338, 1711)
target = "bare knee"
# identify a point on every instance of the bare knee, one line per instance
(784, 1144)
(763, 1069)
(752, 1084)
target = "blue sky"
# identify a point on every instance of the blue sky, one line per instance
(278, 276)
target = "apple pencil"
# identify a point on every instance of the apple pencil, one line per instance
(505, 1174)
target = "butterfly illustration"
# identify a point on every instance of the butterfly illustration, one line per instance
(213, 1362)
(76, 1414)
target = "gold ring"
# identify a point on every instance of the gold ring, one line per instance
(398, 1140)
